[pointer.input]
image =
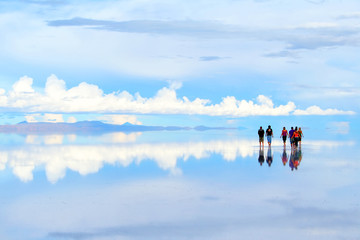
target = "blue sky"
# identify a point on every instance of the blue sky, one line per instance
(228, 58)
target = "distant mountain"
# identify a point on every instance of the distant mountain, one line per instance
(88, 127)
(128, 124)
(204, 128)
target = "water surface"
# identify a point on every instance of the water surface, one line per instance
(178, 185)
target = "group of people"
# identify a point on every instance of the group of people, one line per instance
(294, 135)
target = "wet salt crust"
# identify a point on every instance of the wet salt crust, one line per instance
(182, 185)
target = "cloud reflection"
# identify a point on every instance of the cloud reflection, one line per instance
(56, 158)
(87, 159)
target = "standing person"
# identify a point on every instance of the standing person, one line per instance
(261, 133)
(301, 135)
(296, 137)
(269, 134)
(291, 132)
(284, 134)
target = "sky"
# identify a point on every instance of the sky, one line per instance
(217, 58)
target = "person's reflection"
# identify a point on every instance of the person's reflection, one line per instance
(295, 158)
(291, 161)
(269, 156)
(300, 154)
(284, 157)
(261, 156)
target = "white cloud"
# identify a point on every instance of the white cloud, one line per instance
(265, 101)
(23, 86)
(90, 98)
(55, 87)
(315, 110)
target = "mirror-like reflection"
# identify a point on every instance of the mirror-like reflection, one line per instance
(284, 157)
(176, 186)
(295, 158)
(89, 158)
(50, 152)
(269, 156)
(261, 158)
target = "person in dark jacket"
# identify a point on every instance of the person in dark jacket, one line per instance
(261, 134)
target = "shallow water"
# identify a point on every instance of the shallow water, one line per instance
(178, 185)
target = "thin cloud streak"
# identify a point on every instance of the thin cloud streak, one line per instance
(149, 26)
(90, 98)
(309, 36)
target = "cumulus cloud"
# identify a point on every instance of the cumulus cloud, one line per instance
(90, 98)
(23, 86)
(315, 110)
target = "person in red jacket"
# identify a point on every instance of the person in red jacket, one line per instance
(296, 137)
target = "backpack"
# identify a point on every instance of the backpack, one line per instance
(296, 134)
